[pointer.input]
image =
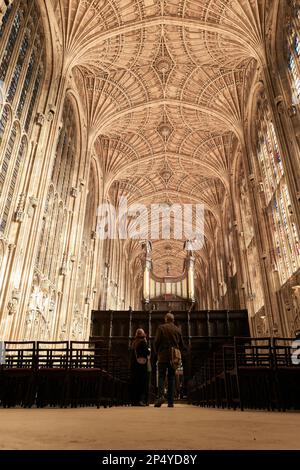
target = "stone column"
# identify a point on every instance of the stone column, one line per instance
(237, 247)
(223, 234)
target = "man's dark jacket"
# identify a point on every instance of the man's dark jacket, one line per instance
(167, 335)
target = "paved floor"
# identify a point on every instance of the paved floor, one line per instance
(182, 427)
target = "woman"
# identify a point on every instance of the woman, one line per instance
(140, 356)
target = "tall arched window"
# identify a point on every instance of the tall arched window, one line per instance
(22, 53)
(284, 235)
(4, 122)
(13, 181)
(12, 38)
(50, 252)
(294, 53)
(50, 260)
(18, 69)
(255, 289)
(8, 155)
(84, 276)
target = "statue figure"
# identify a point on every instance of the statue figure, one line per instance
(12, 306)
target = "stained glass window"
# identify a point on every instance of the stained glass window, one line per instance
(3, 122)
(269, 159)
(13, 180)
(293, 59)
(295, 77)
(33, 99)
(50, 253)
(10, 46)
(297, 45)
(65, 151)
(21, 71)
(26, 85)
(284, 229)
(17, 72)
(278, 204)
(7, 156)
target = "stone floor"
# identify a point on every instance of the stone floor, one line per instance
(182, 427)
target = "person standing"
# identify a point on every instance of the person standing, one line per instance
(167, 336)
(140, 355)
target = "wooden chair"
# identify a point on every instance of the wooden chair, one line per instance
(287, 374)
(230, 398)
(52, 373)
(254, 374)
(87, 374)
(17, 374)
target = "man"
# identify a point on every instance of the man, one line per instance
(167, 336)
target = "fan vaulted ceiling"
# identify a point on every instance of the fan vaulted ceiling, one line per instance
(163, 85)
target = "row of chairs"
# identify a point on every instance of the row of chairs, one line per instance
(255, 373)
(61, 373)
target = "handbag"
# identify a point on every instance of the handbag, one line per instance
(175, 358)
(140, 360)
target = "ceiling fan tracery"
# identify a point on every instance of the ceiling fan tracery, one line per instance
(163, 84)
